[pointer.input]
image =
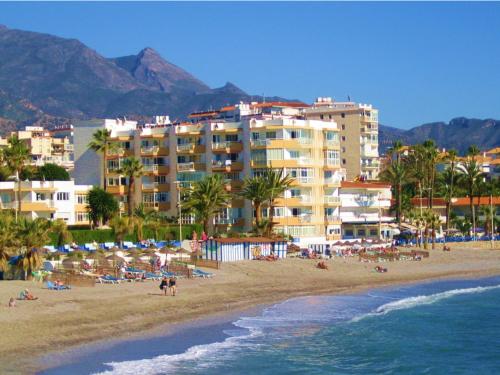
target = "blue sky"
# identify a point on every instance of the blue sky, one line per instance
(417, 62)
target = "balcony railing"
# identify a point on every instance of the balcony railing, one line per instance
(304, 161)
(228, 144)
(118, 151)
(186, 147)
(332, 218)
(305, 199)
(332, 143)
(333, 180)
(332, 162)
(260, 142)
(185, 167)
(150, 149)
(305, 218)
(332, 200)
(224, 220)
(304, 180)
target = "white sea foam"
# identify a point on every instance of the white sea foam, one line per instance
(410, 302)
(204, 355)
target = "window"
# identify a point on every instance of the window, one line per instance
(63, 196)
(294, 154)
(321, 117)
(343, 161)
(5, 198)
(255, 136)
(373, 232)
(271, 135)
(81, 198)
(232, 138)
(294, 134)
(342, 115)
(295, 211)
(343, 138)
(294, 193)
(161, 179)
(40, 196)
(330, 117)
(361, 232)
(343, 126)
(349, 232)
(82, 216)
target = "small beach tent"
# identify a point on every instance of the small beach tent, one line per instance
(235, 249)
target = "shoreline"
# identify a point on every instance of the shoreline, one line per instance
(169, 330)
(107, 314)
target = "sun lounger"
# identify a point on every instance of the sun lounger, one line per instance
(152, 276)
(128, 244)
(108, 245)
(50, 248)
(200, 273)
(52, 286)
(109, 280)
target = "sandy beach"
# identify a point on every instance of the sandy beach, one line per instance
(60, 320)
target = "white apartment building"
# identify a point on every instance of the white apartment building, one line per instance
(48, 199)
(364, 209)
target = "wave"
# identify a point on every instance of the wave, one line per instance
(410, 302)
(166, 364)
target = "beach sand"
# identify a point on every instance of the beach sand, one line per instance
(63, 319)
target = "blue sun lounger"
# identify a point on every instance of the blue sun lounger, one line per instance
(52, 286)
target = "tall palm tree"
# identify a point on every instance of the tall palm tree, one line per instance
(471, 174)
(432, 222)
(16, 156)
(255, 190)
(9, 241)
(132, 168)
(397, 175)
(446, 190)
(452, 158)
(473, 151)
(276, 183)
(101, 144)
(206, 198)
(396, 150)
(431, 158)
(33, 234)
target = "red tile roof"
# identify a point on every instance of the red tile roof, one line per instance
(364, 185)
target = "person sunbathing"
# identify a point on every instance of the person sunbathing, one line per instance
(322, 265)
(27, 295)
(380, 269)
(12, 302)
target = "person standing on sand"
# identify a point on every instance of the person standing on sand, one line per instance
(172, 286)
(164, 285)
(12, 302)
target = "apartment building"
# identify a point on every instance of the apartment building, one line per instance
(48, 199)
(364, 209)
(234, 141)
(44, 147)
(358, 131)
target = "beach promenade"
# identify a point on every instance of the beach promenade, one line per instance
(60, 320)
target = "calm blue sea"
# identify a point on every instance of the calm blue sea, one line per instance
(446, 327)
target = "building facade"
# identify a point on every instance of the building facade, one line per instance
(364, 209)
(44, 147)
(358, 132)
(48, 199)
(235, 142)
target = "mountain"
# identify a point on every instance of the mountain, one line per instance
(459, 133)
(45, 78)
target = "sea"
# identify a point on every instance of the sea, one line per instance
(442, 327)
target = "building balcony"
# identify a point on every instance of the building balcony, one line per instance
(331, 144)
(154, 150)
(120, 189)
(234, 185)
(41, 206)
(227, 166)
(156, 186)
(232, 127)
(191, 148)
(333, 219)
(156, 168)
(120, 152)
(158, 206)
(331, 163)
(228, 147)
(189, 129)
(334, 181)
(190, 167)
(282, 143)
(334, 201)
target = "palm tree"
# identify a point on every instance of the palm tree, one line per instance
(276, 183)
(471, 174)
(132, 168)
(29, 261)
(446, 189)
(101, 144)
(452, 158)
(121, 226)
(60, 229)
(489, 217)
(206, 198)
(473, 151)
(16, 156)
(432, 222)
(101, 206)
(396, 150)
(255, 190)
(396, 175)
(9, 241)
(33, 234)
(431, 158)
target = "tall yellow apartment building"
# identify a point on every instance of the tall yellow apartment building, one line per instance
(236, 142)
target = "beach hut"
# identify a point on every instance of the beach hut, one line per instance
(235, 249)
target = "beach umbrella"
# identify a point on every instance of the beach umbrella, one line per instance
(166, 250)
(183, 251)
(149, 251)
(115, 258)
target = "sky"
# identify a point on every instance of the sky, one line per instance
(415, 62)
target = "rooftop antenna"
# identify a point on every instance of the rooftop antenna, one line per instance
(263, 98)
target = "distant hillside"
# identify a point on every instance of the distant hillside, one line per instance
(459, 133)
(45, 78)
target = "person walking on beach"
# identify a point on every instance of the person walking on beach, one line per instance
(164, 285)
(172, 286)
